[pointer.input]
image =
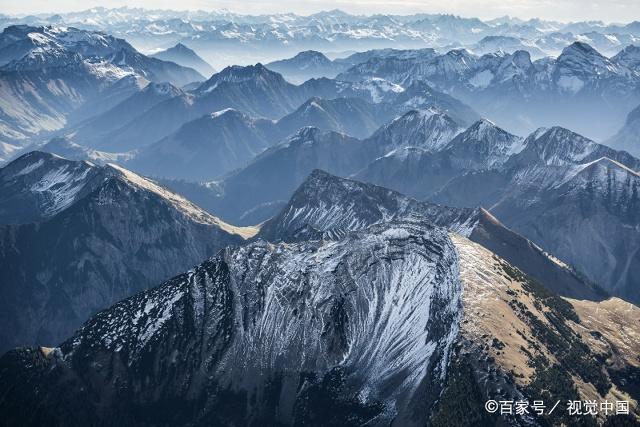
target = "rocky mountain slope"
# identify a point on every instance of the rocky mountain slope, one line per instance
(572, 90)
(50, 72)
(306, 65)
(76, 237)
(399, 323)
(569, 195)
(333, 334)
(627, 138)
(224, 37)
(182, 55)
(326, 206)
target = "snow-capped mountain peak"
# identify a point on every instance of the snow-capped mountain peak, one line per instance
(39, 185)
(485, 145)
(428, 129)
(50, 184)
(257, 74)
(579, 64)
(629, 57)
(559, 146)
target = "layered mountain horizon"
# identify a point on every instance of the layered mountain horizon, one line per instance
(432, 275)
(375, 220)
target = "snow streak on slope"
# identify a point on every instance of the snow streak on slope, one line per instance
(60, 186)
(383, 304)
(327, 206)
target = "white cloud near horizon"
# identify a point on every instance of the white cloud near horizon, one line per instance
(561, 10)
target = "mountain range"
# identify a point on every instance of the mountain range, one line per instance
(76, 237)
(550, 176)
(325, 206)
(580, 89)
(161, 115)
(55, 76)
(225, 38)
(254, 90)
(218, 143)
(392, 221)
(400, 314)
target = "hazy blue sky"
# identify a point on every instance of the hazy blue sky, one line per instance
(564, 10)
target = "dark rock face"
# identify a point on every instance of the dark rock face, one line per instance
(332, 205)
(84, 246)
(314, 333)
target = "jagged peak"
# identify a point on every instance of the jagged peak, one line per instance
(245, 70)
(318, 179)
(428, 129)
(421, 114)
(484, 129)
(164, 88)
(521, 58)
(558, 133)
(460, 53)
(580, 48)
(319, 174)
(33, 161)
(484, 138)
(181, 48)
(35, 156)
(418, 117)
(582, 53)
(558, 145)
(238, 74)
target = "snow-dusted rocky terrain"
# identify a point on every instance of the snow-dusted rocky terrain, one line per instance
(392, 220)
(386, 325)
(76, 237)
(224, 37)
(54, 76)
